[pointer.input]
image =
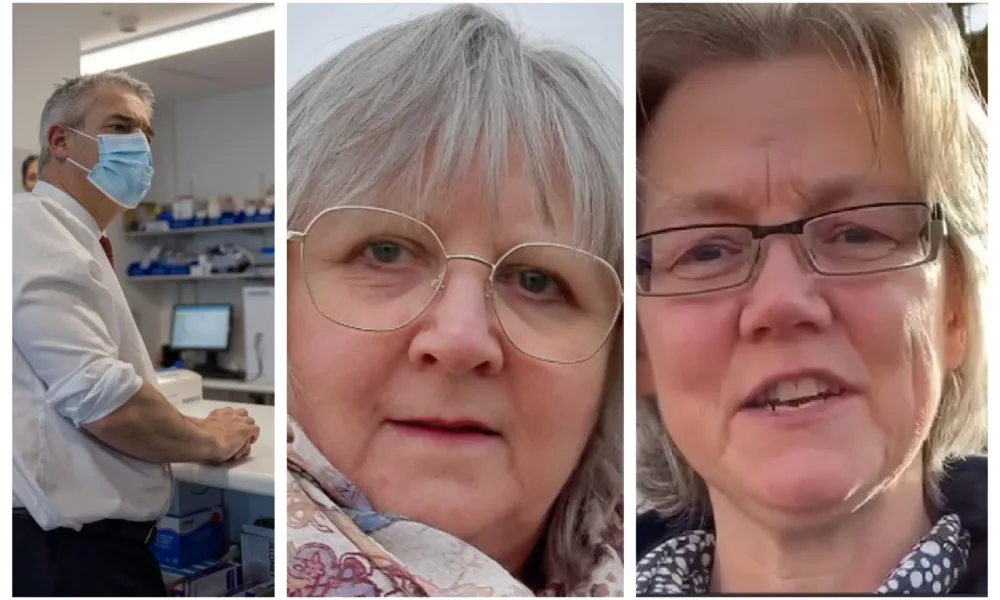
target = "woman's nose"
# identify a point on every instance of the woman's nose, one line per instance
(459, 332)
(783, 300)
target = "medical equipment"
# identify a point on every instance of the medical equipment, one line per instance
(204, 327)
(179, 385)
(258, 333)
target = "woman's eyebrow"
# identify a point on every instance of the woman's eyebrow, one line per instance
(818, 196)
(705, 202)
(835, 191)
(832, 190)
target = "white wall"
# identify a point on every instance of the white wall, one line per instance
(226, 144)
(318, 31)
(45, 51)
(216, 146)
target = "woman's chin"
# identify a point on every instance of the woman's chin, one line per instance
(801, 483)
(454, 507)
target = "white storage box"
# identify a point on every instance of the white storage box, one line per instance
(179, 385)
(257, 550)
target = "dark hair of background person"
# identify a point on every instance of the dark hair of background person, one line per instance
(24, 169)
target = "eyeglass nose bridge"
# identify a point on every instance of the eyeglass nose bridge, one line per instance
(440, 282)
(759, 232)
(796, 228)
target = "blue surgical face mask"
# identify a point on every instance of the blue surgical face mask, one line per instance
(124, 169)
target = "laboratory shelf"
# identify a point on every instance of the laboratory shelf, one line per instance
(213, 277)
(204, 229)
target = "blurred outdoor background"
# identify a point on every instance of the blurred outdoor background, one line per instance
(972, 21)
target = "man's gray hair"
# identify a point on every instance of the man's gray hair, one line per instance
(70, 102)
(411, 109)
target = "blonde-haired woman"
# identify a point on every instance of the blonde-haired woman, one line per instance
(810, 268)
(453, 331)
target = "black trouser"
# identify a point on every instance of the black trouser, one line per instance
(106, 559)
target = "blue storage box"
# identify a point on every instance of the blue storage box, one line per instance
(190, 498)
(189, 539)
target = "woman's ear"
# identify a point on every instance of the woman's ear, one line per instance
(644, 386)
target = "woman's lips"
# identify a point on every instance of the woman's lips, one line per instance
(808, 415)
(832, 384)
(446, 432)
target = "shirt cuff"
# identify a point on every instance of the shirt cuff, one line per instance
(95, 391)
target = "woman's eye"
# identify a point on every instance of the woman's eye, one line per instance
(858, 235)
(384, 252)
(705, 253)
(535, 282)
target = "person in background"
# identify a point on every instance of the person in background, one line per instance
(29, 172)
(93, 438)
(811, 263)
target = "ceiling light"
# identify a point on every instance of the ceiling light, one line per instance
(179, 41)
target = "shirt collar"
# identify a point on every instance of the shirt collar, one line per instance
(683, 564)
(47, 190)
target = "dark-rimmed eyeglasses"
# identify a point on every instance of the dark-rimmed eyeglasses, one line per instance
(861, 240)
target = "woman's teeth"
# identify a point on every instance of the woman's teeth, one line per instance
(795, 393)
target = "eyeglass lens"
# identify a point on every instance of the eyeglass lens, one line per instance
(857, 241)
(378, 270)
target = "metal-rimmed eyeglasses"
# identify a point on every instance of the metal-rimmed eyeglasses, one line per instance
(377, 270)
(860, 240)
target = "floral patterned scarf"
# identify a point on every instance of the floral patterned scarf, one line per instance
(339, 545)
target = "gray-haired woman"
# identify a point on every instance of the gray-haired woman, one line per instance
(454, 340)
(810, 268)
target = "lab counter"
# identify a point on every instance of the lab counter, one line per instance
(233, 385)
(254, 474)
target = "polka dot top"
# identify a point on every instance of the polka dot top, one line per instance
(682, 565)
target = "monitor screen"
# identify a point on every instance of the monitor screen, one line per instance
(201, 327)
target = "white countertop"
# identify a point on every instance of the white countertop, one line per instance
(255, 473)
(236, 385)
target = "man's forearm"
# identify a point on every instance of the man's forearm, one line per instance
(150, 428)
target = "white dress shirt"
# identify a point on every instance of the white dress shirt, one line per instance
(78, 356)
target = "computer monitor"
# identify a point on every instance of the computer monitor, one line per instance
(205, 327)
(201, 327)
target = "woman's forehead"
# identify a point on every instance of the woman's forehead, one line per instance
(513, 211)
(821, 146)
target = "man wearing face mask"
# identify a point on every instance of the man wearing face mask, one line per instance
(93, 438)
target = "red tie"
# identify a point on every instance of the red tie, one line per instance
(106, 244)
